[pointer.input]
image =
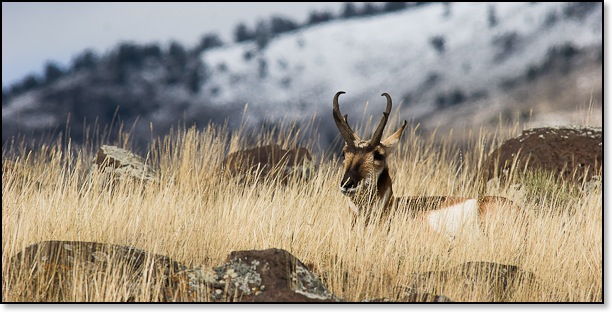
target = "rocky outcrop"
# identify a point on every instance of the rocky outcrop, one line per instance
(410, 295)
(270, 161)
(271, 275)
(116, 163)
(55, 270)
(546, 163)
(571, 154)
(56, 265)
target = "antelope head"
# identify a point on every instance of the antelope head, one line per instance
(366, 180)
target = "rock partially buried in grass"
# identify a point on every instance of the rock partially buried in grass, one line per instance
(270, 161)
(55, 270)
(285, 296)
(413, 296)
(545, 165)
(283, 273)
(270, 275)
(496, 282)
(117, 163)
(572, 154)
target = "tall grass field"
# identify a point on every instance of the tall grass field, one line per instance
(197, 215)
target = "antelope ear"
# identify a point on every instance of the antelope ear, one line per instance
(390, 143)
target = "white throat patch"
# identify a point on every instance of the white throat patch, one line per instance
(353, 207)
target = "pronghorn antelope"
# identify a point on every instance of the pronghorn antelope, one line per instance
(368, 184)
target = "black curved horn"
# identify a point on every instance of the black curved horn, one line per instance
(383, 122)
(341, 122)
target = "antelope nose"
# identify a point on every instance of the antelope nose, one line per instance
(348, 185)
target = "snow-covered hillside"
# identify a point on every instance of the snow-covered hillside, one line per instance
(438, 62)
(395, 54)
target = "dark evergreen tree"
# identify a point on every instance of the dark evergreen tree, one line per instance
(26, 84)
(178, 53)
(319, 17)
(262, 67)
(439, 43)
(30, 82)
(194, 81)
(87, 59)
(447, 9)
(491, 16)
(369, 9)
(349, 10)
(262, 35)
(279, 25)
(5, 96)
(151, 50)
(394, 6)
(128, 54)
(243, 33)
(52, 72)
(208, 41)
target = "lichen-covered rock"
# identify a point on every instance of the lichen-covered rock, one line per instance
(497, 281)
(279, 271)
(54, 270)
(413, 296)
(409, 295)
(270, 161)
(60, 266)
(570, 153)
(270, 275)
(285, 296)
(117, 163)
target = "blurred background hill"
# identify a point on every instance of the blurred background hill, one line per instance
(457, 66)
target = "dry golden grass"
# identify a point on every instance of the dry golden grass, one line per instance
(196, 217)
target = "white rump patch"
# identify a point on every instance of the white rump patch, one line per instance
(452, 220)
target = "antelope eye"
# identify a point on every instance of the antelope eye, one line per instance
(378, 156)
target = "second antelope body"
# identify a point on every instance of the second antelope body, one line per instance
(368, 185)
